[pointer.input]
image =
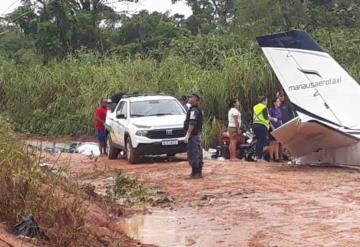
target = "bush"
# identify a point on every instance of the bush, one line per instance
(55, 203)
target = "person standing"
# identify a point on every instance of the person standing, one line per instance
(234, 119)
(287, 111)
(100, 117)
(260, 126)
(275, 113)
(193, 127)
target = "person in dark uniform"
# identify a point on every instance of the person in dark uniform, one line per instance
(193, 127)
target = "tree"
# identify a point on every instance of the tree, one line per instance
(63, 26)
(144, 32)
(333, 13)
(208, 14)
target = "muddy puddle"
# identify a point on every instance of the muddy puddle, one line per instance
(180, 227)
(160, 228)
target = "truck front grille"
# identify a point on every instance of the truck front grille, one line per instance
(166, 133)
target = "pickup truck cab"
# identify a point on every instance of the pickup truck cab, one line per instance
(146, 125)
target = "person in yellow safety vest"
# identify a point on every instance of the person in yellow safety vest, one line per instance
(260, 126)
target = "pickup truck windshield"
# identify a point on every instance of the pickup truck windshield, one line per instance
(155, 108)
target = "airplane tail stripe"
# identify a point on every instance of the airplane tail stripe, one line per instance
(293, 39)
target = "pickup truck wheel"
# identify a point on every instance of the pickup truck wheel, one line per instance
(112, 151)
(131, 157)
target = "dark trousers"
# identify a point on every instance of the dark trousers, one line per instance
(195, 153)
(261, 133)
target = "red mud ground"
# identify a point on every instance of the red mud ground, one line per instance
(254, 204)
(249, 204)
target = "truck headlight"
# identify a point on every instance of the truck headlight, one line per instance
(141, 132)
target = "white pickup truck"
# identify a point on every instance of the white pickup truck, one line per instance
(146, 125)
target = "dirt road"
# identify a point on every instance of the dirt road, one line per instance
(243, 204)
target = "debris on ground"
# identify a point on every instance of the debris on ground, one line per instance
(88, 149)
(128, 190)
(242, 192)
(207, 200)
(210, 154)
(160, 198)
(190, 241)
(207, 197)
(54, 168)
(28, 227)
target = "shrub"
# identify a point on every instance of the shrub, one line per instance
(55, 203)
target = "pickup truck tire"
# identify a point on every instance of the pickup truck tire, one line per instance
(113, 152)
(131, 157)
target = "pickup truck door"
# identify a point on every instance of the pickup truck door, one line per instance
(121, 117)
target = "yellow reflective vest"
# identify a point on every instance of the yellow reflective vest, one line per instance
(258, 116)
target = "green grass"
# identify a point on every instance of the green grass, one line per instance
(60, 98)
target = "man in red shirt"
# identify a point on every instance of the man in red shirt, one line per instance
(100, 117)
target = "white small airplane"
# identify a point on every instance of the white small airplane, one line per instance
(324, 95)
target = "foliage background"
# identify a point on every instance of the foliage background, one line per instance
(58, 58)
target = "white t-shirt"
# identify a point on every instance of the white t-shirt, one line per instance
(233, 112)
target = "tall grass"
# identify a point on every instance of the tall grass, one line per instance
(60, 98)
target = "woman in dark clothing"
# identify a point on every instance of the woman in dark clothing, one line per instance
(275, 113)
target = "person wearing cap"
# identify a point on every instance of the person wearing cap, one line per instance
(287, 112)
(193, 127)
(100, 117)
(184, 102)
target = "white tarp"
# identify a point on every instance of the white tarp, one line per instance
(89, 148)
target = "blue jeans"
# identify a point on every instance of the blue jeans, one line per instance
(101, 135)
(261, 134)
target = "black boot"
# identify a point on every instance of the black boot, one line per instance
(197, 173)
(193, 171)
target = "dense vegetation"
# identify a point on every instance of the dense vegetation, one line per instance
(59, 57)
(54, 201)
